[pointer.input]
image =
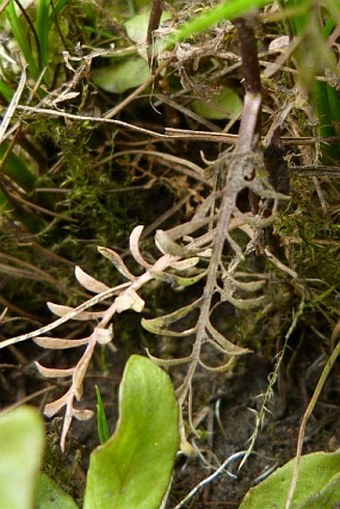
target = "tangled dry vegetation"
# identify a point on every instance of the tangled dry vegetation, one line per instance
(239, 257)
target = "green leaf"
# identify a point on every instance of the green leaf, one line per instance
(42, 28)
(205, 20)
(120, 76)
(133, 468)
(137, 27)
(318, 485)
(20, 35)
(17, 170)
(21, 446)
(226, 104)
(49, 495)
(102, 425)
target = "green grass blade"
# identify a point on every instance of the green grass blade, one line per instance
(102, 425)
(226, 10)
(57, 9)
(42, 28)
(20, 35)
(6, 91)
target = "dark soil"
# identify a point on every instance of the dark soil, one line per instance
(227, 420)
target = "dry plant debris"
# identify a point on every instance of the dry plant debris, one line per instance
(214, 248)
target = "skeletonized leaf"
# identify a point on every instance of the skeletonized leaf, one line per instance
(59, 343)
(228, 347)
(89, 282)
(116, 260)
(134, 246)
(83, 316)
(129, 300)
(53, 372)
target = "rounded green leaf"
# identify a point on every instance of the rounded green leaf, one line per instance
(21, 446)
(133, 468)
(226, 104)
(122, 75)
(50, 496)
(318, 485)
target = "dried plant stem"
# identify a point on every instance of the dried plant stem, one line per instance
(272, 381)
(240, 171)
(13, 105)
(324, 375)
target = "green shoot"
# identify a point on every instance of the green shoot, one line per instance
(102, 425)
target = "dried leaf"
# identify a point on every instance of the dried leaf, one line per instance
(159, 324)
(247, 286)
(134, 246)
(185, 264)
(152, 326)
(83, 316)
(280, 265)
(228, 347)
(82, 415)
(219, 369)
(59, 343)
(169, 362)
(89, 282)
(81, 368)
(188, 281)
(177, 281)
(129, 300)
(53, 372)
(53, 408)
(246, 303)
(168, 246)
(116, 260)
(104, 336)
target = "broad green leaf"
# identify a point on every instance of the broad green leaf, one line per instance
(318, 485)
(120, 76)
(137, 28)
(21, 446)
(226, 104)
(133, 468)
(49, 495)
